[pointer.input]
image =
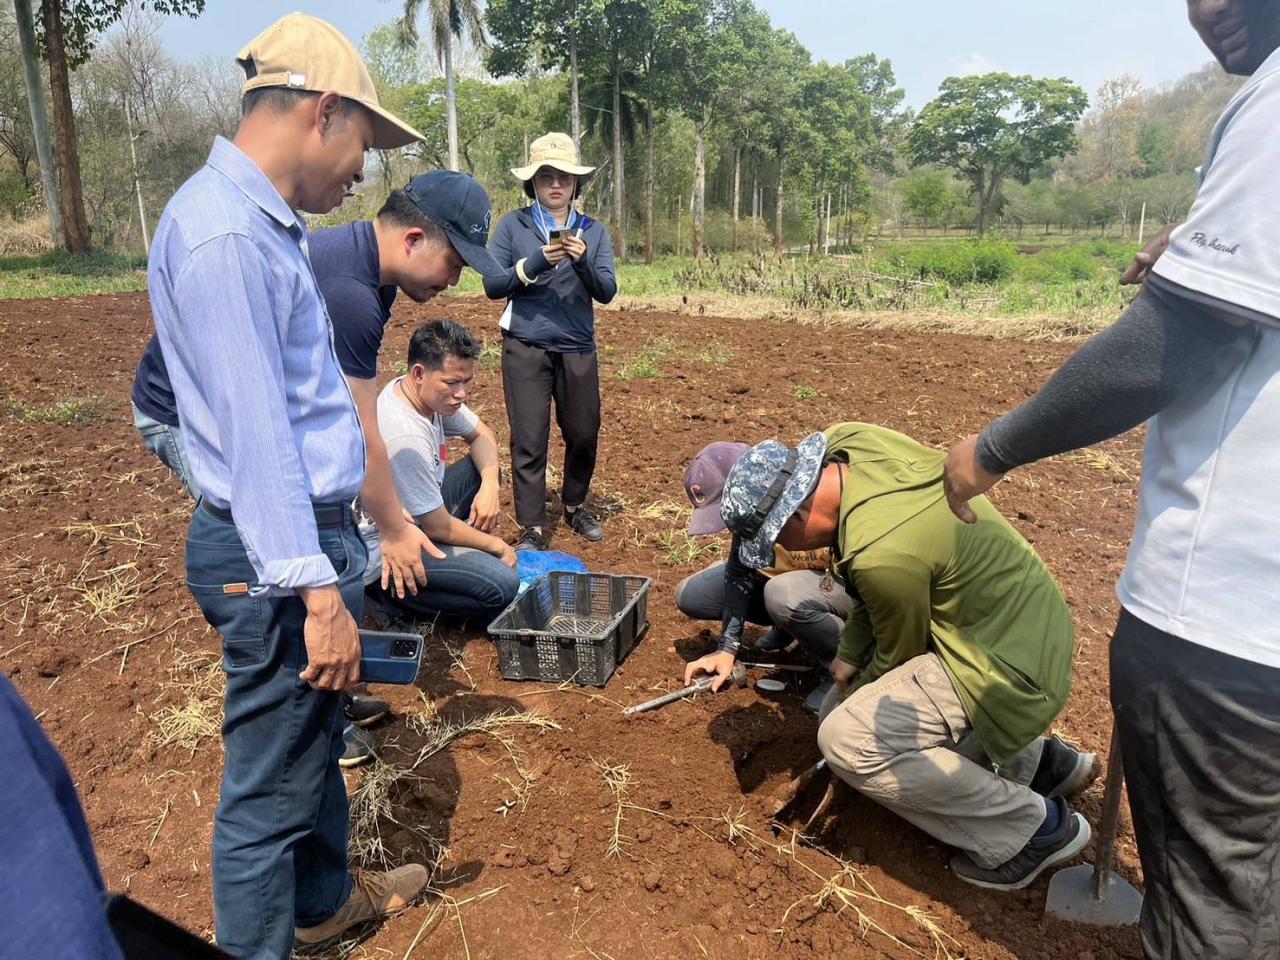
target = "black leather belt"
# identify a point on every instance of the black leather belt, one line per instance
(327, 514)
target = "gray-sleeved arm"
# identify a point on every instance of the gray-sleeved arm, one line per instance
(502, 246)
(1163, 345)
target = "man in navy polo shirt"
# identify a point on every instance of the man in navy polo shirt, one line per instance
(418, 243)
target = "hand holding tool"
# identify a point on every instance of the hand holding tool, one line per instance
(737, 678)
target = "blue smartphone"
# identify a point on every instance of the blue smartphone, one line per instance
(388, 657)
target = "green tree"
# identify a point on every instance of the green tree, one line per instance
(392, 63)
(447, 20)
(840, 136)
(657, 61)
(542, 33)
(995, 127)
(1169, 196)
(782, 66)
(927, 194)
(68, 30)
(714, 40)
(1157, 146)
(17, 141)
(495, 120)
(889, 120)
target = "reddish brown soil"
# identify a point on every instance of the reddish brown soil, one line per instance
(680, 888)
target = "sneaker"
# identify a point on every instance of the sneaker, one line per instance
(373, 895)
(359, 746)
(1063, 771)
(813, 702)
(362, 709)
(1038, 855)
(530, 539)
(775, 641)
(584, 524)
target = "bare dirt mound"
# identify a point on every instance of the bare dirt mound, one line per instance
(584, 834)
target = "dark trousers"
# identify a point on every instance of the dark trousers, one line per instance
(467, 582)
(798, 602)
(531, 379)
(280, 832)
(1200, 738)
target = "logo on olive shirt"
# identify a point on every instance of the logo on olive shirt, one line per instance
(1201, 239)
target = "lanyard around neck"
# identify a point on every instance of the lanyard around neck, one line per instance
(546, 223)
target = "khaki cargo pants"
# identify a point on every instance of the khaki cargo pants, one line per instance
(904, 740)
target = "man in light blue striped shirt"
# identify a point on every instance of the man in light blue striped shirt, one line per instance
(273, 557)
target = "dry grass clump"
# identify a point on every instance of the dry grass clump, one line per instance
(199, 679)
(617, 777)
(1099, 460)
(25, 238)
(373, 804)
(981, 321)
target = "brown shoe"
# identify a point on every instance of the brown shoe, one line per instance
(373, 895)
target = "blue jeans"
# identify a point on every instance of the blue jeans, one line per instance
(467, 582)
(167, 444)
(280, 832)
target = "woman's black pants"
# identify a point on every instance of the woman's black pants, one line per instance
(531, 379)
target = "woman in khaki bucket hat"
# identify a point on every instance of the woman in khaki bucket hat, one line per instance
(557, 264)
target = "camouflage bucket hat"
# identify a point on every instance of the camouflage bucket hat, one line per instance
(764, 489)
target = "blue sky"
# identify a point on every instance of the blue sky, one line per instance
(927, 40)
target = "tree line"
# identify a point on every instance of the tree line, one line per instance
(712, 128)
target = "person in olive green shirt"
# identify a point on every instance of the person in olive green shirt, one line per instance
(954, 663)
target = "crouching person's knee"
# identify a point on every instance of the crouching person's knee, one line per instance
(682, 592)
(832, 740)
(509, 586)
(850, 749)
(501, 586)
(780, 603)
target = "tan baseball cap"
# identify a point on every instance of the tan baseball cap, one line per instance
(305, 53)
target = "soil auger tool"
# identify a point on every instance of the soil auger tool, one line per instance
(737, 678)
(782, 667)
(1095, 895)
(784, 800)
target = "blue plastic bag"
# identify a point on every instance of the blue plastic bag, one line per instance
(531, 564)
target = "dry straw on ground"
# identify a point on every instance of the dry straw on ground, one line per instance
(982, 320)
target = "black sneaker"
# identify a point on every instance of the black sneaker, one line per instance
(1038, 855)
(362, 709)
(530, 539)
(359, 746)
(584, 524)
(1063, 771)
(775, 641)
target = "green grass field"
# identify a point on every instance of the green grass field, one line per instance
(1070, 285)
(63, 275)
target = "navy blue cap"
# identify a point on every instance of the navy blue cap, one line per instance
(459, 205)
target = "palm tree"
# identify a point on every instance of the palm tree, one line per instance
(447, 19)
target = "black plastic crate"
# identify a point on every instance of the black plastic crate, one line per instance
(572, 626)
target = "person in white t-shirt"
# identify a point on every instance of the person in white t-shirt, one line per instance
(456, 505)
(1195, 658)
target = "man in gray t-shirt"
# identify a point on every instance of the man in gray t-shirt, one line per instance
(455, 505)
